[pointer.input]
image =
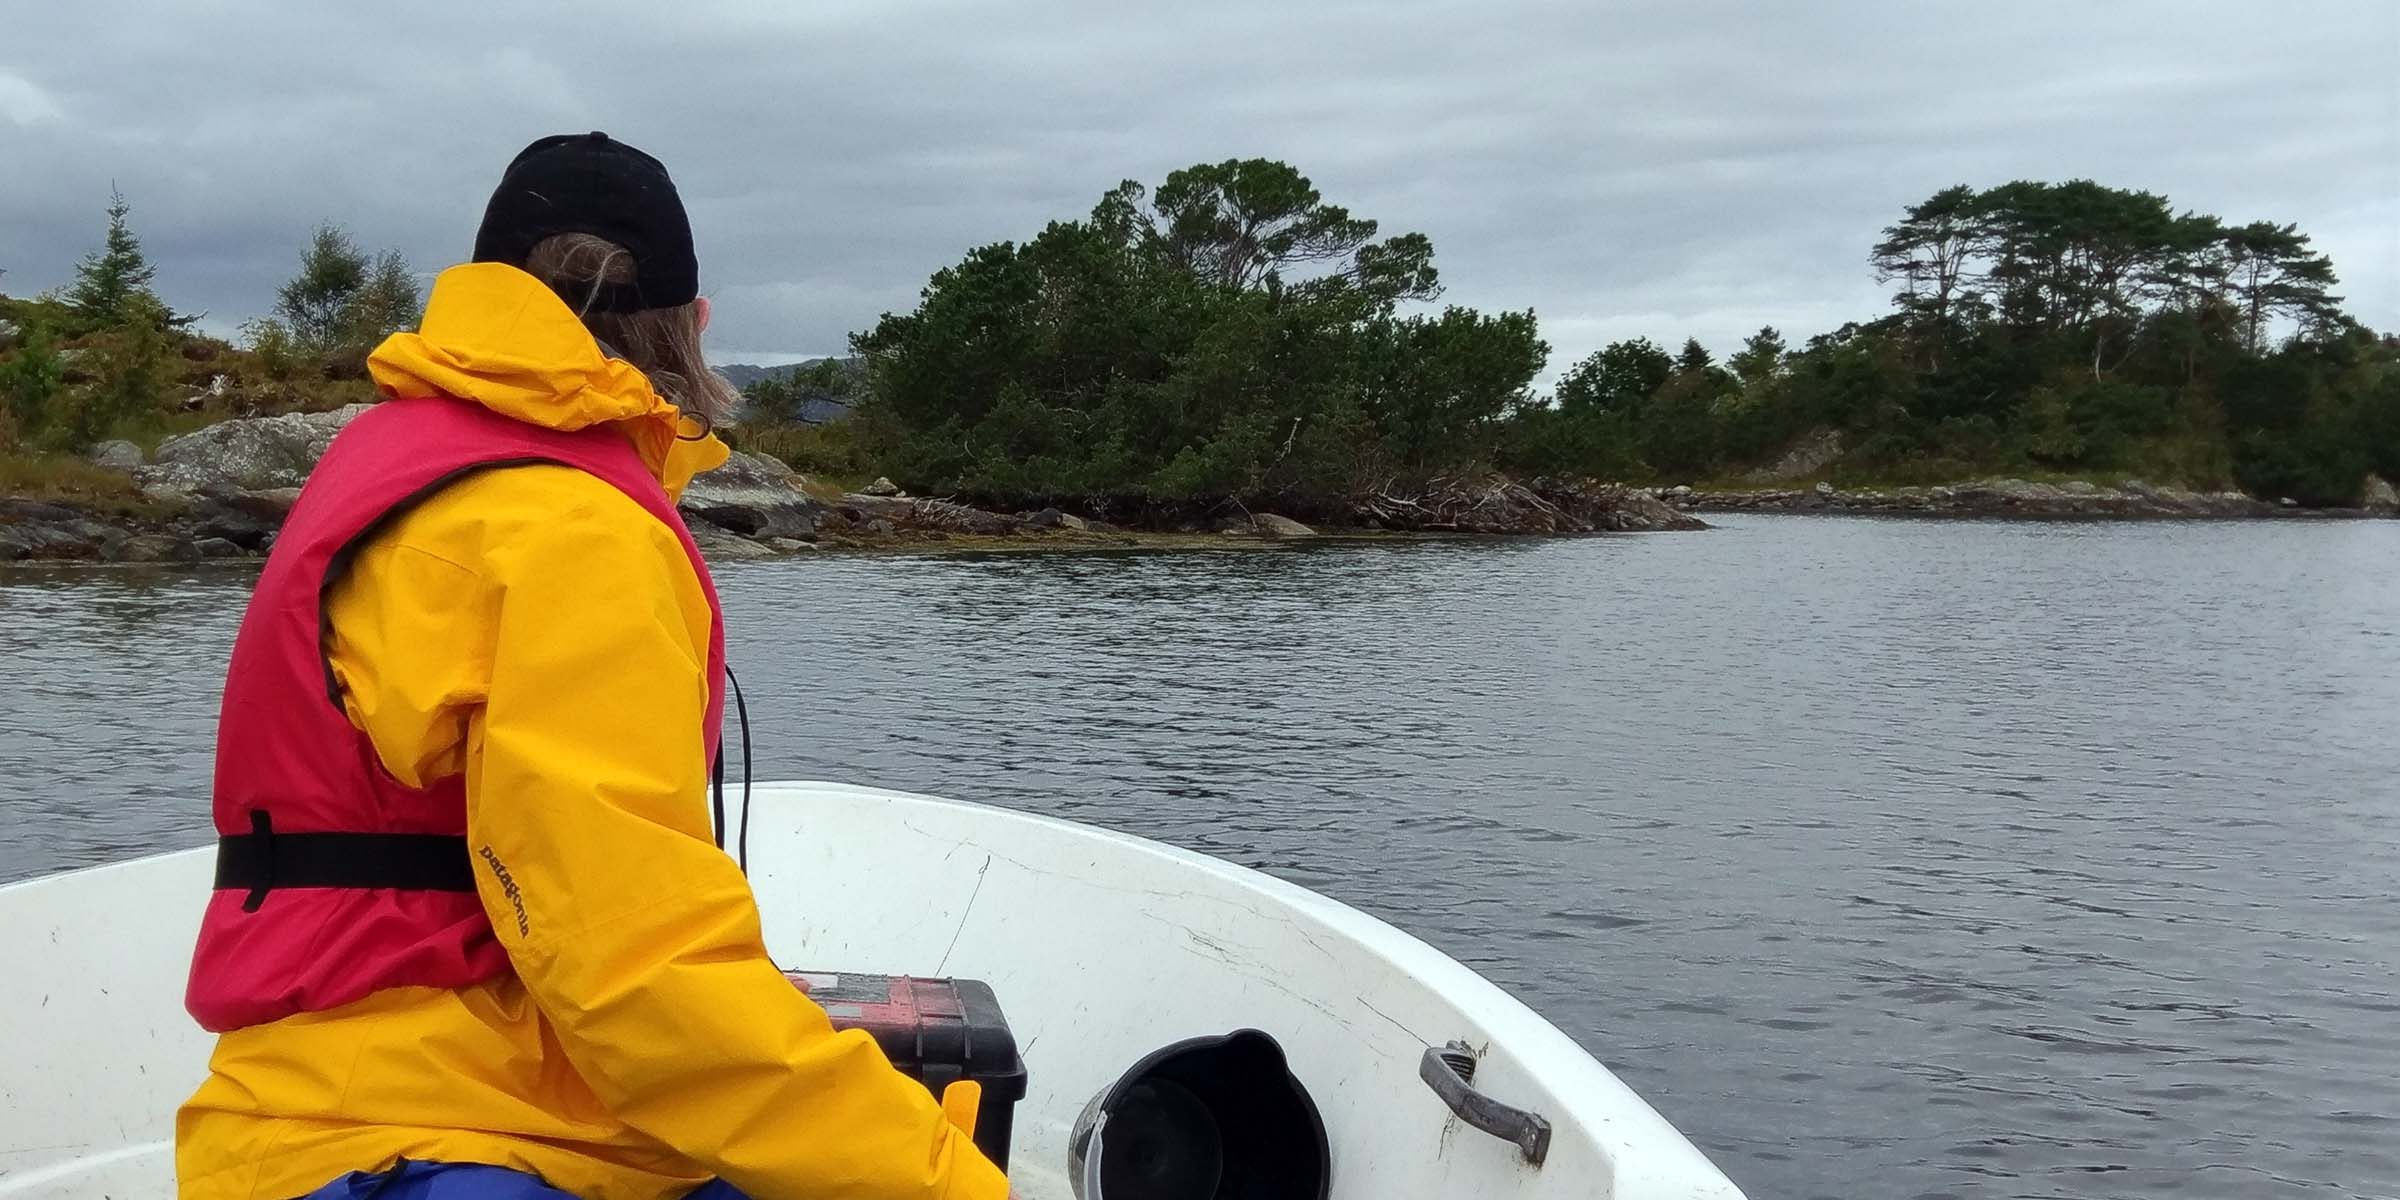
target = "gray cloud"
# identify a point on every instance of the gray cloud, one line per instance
(1659, 169)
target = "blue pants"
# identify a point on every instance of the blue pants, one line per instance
(464, 1181)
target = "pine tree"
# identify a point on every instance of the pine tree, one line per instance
(110, 279)
(1760, 357)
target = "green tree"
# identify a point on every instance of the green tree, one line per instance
(2072, 253)
(2271, 273)
(1438, 387)
(319, 304)
(387, 303)
(2379, 425)
(1932, 251)
(113, 282)
(1231, 334)
(30, 381)
(131, 372)
(1760, 358)
(2074, 325)
(1252, 223)
(277, 350)
(1617, 378)
(2048, 428)
(1679, 427)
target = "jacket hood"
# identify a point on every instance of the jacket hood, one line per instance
(498, 337)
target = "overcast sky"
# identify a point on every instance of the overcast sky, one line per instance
(1625, 169)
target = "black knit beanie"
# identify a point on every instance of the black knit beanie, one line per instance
(591, 183)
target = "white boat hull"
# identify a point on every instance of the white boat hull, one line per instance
(1101, 947)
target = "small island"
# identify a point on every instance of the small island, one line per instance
(1230, 354)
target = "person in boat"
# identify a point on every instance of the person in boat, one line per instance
(471, 936)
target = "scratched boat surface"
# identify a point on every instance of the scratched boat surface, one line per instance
(1101, 947)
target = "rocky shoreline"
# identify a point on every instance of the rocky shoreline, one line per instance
(221, 494)
(2022, 499)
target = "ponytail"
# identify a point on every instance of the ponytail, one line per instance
(663, 342)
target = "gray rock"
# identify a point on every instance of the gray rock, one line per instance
(2379, 496)
(149, 548)
(2012, 491)
(30, 529)
(226, 519)
(755, 496)
(782, 521)
(1280, 527)
(789, 545)
(1825, 489)
(745, 478)
(883, 486)
(2287, 502)
(1051, 518)
(940, 515)
(215, 547)
(719, 546)
(116, 456)
(860, 506)
(743, 519)
(247, 454)
(1637, 512)
(1812, 453)
(886, 514)
(271, 504)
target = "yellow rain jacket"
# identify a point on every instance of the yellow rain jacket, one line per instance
(645, 1043)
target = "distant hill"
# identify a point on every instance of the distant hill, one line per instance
(815, 404)
(742, 375)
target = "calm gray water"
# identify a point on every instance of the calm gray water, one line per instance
(1886, 859)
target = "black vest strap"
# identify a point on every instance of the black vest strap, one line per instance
(262, 860)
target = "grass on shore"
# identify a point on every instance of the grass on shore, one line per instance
(57, 477)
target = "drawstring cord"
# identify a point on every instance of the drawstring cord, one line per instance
(716, 777)
(741, 709)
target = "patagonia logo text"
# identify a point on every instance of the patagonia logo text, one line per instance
(508, 887)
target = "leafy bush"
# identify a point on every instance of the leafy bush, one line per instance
(130, 363)
(277, 350)
(2314, 464)
(831, 450)
(30, 382)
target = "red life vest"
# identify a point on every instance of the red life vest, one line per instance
(291, 766)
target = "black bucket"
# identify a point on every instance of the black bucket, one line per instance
(1211, 1118)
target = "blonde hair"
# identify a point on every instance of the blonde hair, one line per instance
(663, 342)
